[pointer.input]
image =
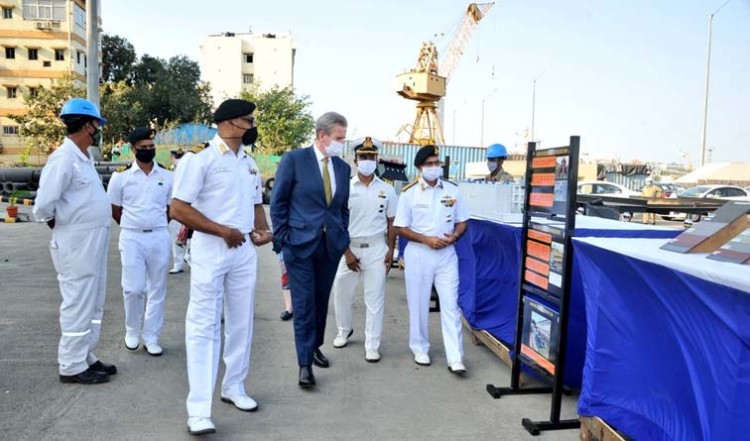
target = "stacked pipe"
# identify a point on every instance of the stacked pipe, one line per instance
(26, 179)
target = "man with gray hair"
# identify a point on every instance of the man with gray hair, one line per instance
(310, 215)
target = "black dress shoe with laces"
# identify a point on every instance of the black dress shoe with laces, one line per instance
(320, 360)
(286, 315)
(306, 377)
(89, 376)
(104, 368)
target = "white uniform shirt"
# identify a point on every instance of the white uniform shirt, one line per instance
(431, 211)
(71, 191)
(320, 156)
(370, 207)
(223, 186)
(143, 198)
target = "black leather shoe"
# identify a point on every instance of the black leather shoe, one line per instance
(286, 315)
(306, 377)
(320, 360)
(104, 368)
(89, 376)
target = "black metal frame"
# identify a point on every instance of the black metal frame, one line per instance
(563, 302)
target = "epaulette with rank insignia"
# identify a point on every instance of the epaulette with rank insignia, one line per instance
(123, 168)
(248, 151)
(165, 168)
(199, 148)
(409, 185)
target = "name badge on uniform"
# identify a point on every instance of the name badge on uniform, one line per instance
(381, 194)
(354, 195)
(422, 205)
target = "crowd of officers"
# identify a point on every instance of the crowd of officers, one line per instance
(335, 230)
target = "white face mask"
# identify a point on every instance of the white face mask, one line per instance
(432, 173)
(366, 167)
(492, 165)
(334, 148)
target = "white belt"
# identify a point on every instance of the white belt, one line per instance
(366, 242)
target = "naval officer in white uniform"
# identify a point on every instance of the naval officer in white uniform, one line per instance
(140, 195)
(72, 200)
(432, 216)
(372, 207)
(218, 194)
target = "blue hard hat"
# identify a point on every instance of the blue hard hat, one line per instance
(81, 107)
(497, 151)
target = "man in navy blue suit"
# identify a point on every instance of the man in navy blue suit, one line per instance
(310, 216)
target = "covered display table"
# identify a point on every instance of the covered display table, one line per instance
(668, 352)
(489, 266)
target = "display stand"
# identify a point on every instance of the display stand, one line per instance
(544, 294)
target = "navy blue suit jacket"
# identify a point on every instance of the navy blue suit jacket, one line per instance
(298, 207)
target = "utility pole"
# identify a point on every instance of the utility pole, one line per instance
(533, 102)
(92, 51)
(708, 74)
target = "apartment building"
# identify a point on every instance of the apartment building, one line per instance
(233, 62)
(40, 40)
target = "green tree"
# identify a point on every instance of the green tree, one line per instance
(41, 128)
(122, 107)
(284, 119)
(118, 59)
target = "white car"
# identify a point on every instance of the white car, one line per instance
(722, 192)
(600, 188)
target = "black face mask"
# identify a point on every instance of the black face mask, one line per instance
(96, 137)
(145, 155)
(250, 136)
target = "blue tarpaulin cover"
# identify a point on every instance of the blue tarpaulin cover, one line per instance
(668, 353)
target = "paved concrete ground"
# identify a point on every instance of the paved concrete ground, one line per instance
(393, 399)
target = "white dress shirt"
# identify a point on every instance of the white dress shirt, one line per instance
(143, 198)
(223, 186)
(320, 156)
(431, 211)
(370, 207)
(71, 191)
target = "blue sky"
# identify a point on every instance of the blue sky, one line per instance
(628, 77)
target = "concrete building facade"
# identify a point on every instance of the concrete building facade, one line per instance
(233, 62)
(40, 40)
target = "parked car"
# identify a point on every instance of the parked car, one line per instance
(601, 188)
(723, 192)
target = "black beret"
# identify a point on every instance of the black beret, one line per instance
(231, 109)
(424, 153)
(141, 133)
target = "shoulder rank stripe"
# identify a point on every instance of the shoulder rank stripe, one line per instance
(123, 168)
(199, 148)
(409, 185)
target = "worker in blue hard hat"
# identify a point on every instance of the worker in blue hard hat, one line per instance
(496, 155)
(72, 200)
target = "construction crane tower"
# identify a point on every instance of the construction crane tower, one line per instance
(426, 83)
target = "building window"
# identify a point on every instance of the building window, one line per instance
(79, 16)
(248, 58)
(33, 54)
(33, 91)
(10, 52)
(59, 54)
(11, 92)
(247, 78)
(78, 57)
(47, 64)
(7, 13)
(10, 130)
(85, 61)
(44, 9)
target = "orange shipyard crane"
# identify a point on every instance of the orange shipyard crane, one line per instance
(426, 83)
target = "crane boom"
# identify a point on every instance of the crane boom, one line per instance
(474, 14)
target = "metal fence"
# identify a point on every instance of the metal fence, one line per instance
(459, 155)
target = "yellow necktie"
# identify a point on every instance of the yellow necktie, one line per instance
(327, 182)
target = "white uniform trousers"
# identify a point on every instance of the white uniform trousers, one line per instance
(178, 252)
(80, 259)
(218, 274)
(423, 268)
(145, 263)
(371, 254)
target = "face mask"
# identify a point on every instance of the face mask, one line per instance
(366, 167)
(334, 148)
(96, 137)
(145, 155)
(432, 173)
(250, 136)
(492, 165)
